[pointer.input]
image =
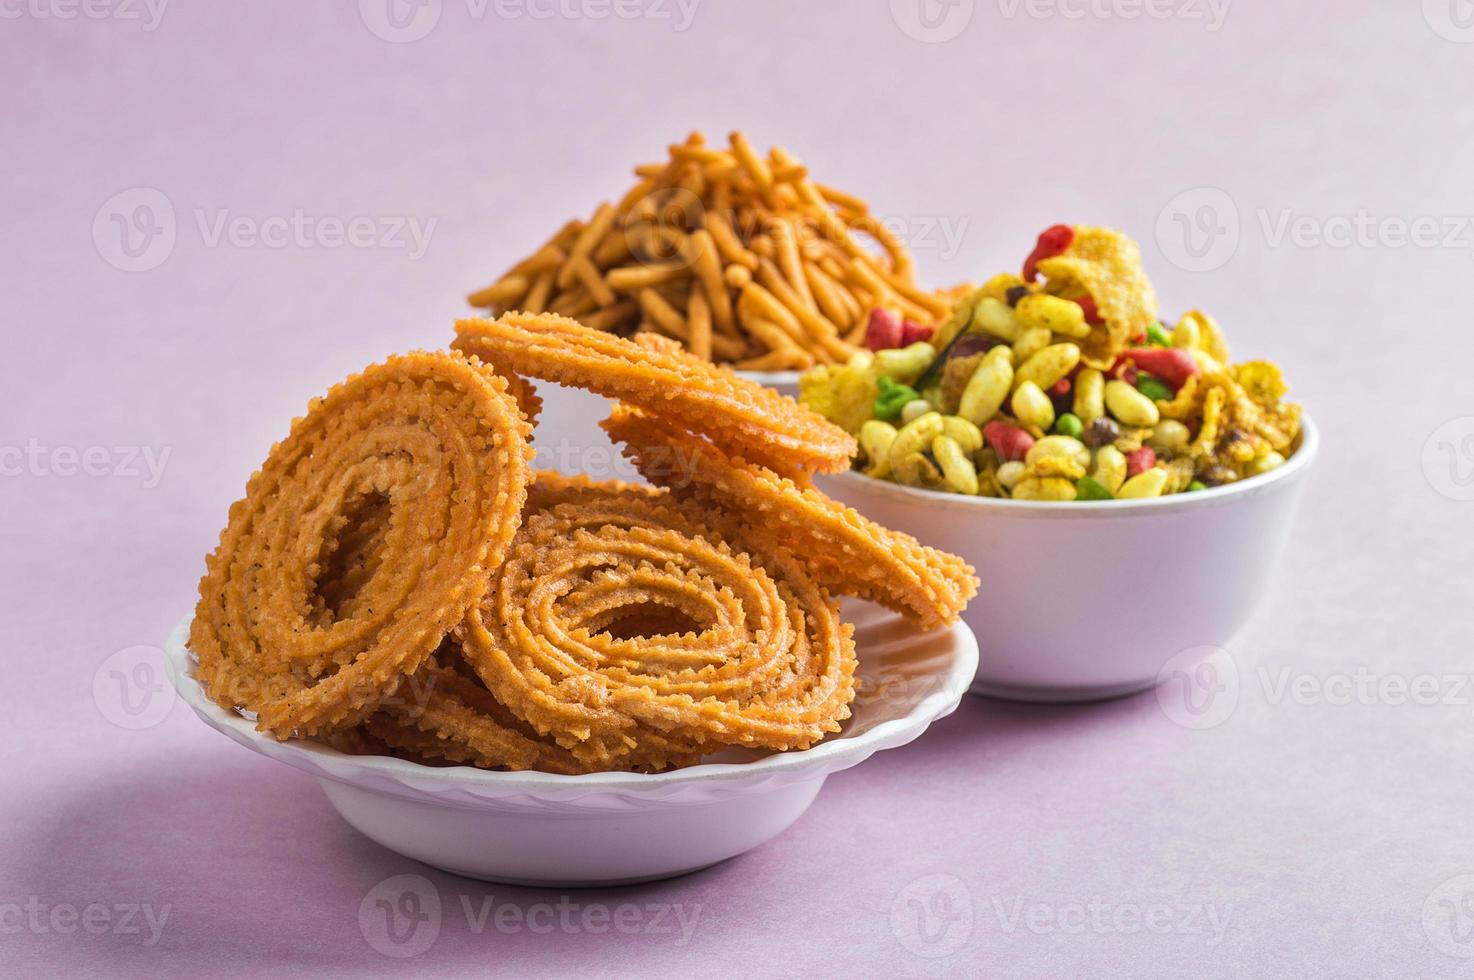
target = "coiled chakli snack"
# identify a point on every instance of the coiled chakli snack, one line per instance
(633, 630)
(399, 581)
(764, 425)
(366, 535)
(846, 552)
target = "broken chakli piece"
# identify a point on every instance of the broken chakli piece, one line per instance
(399, 581)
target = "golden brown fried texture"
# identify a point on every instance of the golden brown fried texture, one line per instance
(739, 415)
(737, 256)
(633, 632)
(364, 538)
(847, 553)
(1106, 266)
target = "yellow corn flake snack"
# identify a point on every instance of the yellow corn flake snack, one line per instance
(1061, 466)
(1207, 337)
(1185, 404)
(1237, 428)
(1106, 266)
(843, 393)
(1262, 380)
(1130, 440)
(1180, 473)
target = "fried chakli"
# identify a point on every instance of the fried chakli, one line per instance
(735, 413)
(633, 631)
(847, 553)
(443, 714)
(364, 538)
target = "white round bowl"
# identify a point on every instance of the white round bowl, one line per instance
(568, 439)
(1094, 599)
(618, 828)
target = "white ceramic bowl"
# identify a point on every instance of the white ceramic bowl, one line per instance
(783, 382)
(1088, 600)
(568, 439)
(618, 828)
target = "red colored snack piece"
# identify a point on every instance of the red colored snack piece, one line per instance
(1007, 440)
(885, 330)
(1171, 364)
(911, 332)
(1092, 315)
(1052, 241)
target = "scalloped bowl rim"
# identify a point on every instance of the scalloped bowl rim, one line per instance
(1298, 462)
(830, 755)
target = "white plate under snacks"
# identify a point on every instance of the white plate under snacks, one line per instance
(618, 828)
(1094, 599)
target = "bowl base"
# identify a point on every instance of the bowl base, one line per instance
(599, 841)
(578, 882)
(1060, 695)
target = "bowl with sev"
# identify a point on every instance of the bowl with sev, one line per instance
(742, 258)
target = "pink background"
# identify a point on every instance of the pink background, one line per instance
(1328, 835)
